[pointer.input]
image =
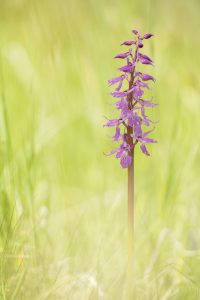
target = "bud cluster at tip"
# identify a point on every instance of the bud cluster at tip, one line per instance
(130, 87)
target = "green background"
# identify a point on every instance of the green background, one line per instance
(63, 222)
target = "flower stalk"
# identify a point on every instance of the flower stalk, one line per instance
(130, 212)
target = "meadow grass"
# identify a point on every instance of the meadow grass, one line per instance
(63, 223)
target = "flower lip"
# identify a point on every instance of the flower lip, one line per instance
(125, 161)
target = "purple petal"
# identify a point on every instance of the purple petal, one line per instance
(145, 58)
(130, 120)
(146, 103)
(137, 126)
(112, 152)
(120, 153)
(125, 161)
(145, 61)
(119, 86)
(147, 77)
(148, 140)
(148, 132)
(128, 43)
(118, 94)
(143, 84)
(121, 104)
(117, 135)
(116, 79)
(137, 92)
(135, 31)
(144, 149)
(125, 146)
(123, 55)
(145, 120)
(122, 94)
(113, 122)
(147, 36)
(127, 68)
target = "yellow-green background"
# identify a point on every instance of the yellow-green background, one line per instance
(62, 202)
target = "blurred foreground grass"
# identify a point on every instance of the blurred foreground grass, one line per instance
(62, 202)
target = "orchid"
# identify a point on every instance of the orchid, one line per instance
(131, 105)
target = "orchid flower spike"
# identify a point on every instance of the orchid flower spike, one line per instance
(130, 88)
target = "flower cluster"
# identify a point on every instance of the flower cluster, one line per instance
(129, 90)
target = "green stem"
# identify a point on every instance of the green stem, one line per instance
(131, 210)
(129, 294)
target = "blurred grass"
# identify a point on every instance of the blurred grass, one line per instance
(63, 203)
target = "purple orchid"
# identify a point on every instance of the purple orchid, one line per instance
(130, 104)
